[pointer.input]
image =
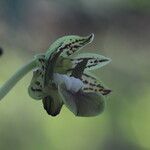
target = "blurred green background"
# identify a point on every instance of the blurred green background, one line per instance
(122, 32)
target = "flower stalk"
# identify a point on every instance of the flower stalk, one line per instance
(11, 82)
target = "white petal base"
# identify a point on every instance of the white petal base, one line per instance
(72, 84)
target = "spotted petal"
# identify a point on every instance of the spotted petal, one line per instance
(93, 84)
(94, 61)
(68, 45)
(36, 86)
(81, 103)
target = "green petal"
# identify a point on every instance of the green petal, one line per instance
(93, 84)
(68, 45)
(82, 104)
(36, 86)
(95, 61)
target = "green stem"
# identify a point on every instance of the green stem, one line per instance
(10, 83)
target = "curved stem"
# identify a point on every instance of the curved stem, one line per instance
(11, 82)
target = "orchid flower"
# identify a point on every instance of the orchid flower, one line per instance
(62, 78)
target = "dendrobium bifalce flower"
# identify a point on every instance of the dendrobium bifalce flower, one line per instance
(62, 76)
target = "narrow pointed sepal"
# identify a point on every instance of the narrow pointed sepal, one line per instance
(68, 45)
(94, 61)
(93, 84)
